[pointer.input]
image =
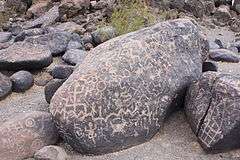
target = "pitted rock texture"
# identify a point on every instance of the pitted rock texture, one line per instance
(25, 134)
(212, 107)
(124, 89)
(24, 56)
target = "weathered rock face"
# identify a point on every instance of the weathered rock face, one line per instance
(5, 86)
(212, 107)
(57, 42)
(124, 89)
(25, 134)
(23, 55)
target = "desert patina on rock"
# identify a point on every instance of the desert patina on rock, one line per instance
(124, 89)
(23, 55)
(212, 107)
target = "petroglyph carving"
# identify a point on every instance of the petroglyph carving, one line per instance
(26, 133)
(213, 110)
(123, 91)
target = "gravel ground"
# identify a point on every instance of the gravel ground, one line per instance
(175, 142)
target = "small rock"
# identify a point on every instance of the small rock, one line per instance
(210, 66)
(88, 46)
(74, 56)
(47, 19)
(71, 27)
(29, 33)
(237, 45)
(24, 56)
(62, 71)
(223, 55)
(52, 87)
(51, 153)
(26, 133)
(57, 42)
(5, 86)
(5, 36)
(222, 15)
(235, 25)
(87, 38)
(213, 45)
(72, 8)
(22, 81)
(75, 42)
(219, 43)
(103, 34)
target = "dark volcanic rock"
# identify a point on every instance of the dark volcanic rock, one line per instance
(62, 71)
(212, 107)
(125, 88)
(210, 66)
(52, 87)
(5, 86)
(223, 55)
(25, 134)
(22, 81)
(74, 56)
(24, 56)
(57, 42)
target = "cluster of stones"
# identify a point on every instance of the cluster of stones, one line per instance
(118, 94)
(222, 12)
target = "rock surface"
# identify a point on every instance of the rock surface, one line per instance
(103, 34)
(5, 86)
(62, 71)
(22, 81)
(52, 87)
(212, 107)
(223, 55)
(57, 42)
(25, 134)
(24, 56)
(74, 56)
(125, 88)
(5, 36)
(51, 153)
(47, 19)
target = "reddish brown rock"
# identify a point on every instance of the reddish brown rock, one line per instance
(26, 133)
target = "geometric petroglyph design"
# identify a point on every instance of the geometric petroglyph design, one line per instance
(122, 92)
(219, 126)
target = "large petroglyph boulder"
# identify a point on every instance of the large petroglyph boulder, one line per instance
(124, 89)
(213, 109)
(26, 133)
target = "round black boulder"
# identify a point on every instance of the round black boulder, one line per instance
(22, 81)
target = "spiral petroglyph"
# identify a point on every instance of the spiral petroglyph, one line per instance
(26, 133)
(122, 92)
(212, 107)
